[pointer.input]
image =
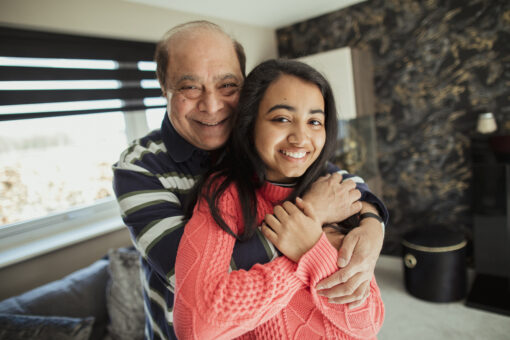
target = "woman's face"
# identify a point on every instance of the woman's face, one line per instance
(290, 128)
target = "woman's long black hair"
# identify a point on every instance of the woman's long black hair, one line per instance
(241, 164)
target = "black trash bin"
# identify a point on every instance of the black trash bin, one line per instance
(435, 264)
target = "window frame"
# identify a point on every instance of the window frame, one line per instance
(23, 240)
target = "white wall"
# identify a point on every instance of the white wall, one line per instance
(336, 66)
(125, 20)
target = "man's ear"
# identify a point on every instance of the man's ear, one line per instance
(163, 89)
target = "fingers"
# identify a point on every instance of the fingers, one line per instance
(300, 203)
(305, 207)
(280, 213)
(344, 255)
(331, 281)
(348, 184)
(344, 289)
(272, 223)
(353, 293)
(290, 208)
(336, 177)
(356, 207)
(269, 233)
(354, 194)
(358, 303)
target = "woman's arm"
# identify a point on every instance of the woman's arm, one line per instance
(212, 303)
(363, 321)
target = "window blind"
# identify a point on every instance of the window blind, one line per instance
(44, 74)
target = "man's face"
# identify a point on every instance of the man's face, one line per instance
(204, 79)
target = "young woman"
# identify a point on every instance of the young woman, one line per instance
(284, 132)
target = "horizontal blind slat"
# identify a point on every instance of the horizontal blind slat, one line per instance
(32, 97)
(36, 73)
(117, 58)
(27, 43)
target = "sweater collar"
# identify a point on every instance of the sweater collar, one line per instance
(275, 193)
(179, 149)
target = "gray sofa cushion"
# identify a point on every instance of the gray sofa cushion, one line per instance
(124, 296)
(78, 295)
(21, 327)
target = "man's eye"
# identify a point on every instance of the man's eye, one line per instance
(190, 91)
(228, 89)
(188, 87)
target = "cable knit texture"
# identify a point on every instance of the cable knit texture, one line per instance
(276, 300)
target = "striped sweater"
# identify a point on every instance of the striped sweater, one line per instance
(151, 179)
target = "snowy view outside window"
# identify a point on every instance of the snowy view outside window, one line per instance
(49, 165)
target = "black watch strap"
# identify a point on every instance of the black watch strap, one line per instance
(369, 214)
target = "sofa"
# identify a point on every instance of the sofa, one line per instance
(100, 302)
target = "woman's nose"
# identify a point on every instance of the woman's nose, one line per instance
(298, 136)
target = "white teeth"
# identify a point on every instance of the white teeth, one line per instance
(294, 154)
(209, 124)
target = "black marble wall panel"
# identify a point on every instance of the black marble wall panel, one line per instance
(438, 64)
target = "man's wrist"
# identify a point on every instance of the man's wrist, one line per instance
(371, 215)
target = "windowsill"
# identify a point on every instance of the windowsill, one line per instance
(49, 234)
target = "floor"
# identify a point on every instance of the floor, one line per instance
(410, 318)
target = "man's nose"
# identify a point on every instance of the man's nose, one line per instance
(210, 102)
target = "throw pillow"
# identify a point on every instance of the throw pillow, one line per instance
(21, 327)
(124, 299)
(78, 295)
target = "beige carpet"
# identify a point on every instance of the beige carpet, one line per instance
(410, 318)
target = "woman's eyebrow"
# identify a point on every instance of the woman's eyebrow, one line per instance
(317, 111)
(281, 106)
(292, 109)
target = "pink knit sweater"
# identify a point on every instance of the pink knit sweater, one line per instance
(276, 300)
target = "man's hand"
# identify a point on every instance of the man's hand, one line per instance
(332, 200)
(358, 255)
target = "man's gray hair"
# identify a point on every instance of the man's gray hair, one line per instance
(162, 53)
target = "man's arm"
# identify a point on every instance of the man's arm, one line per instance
(151, 208)
(357, 258)
(360, 248)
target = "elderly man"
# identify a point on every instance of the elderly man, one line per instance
(201, 71)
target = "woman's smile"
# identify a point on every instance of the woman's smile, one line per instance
(290, 128)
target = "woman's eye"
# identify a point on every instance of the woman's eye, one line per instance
(280, 120)
(316, 122)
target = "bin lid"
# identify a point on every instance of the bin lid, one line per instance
(434, 236)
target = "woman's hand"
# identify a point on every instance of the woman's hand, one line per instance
(290, 230)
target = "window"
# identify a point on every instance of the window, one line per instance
(68, 107)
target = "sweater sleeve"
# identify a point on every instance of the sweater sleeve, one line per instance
(213, 303)
(363, 322)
